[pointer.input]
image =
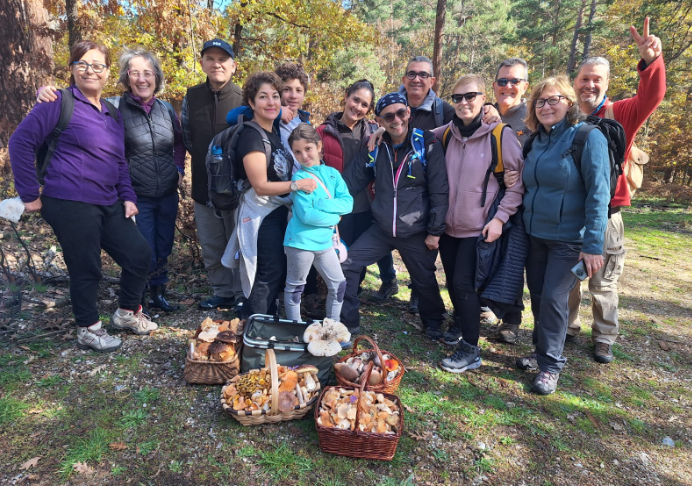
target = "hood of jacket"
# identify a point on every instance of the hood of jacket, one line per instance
(427, 104)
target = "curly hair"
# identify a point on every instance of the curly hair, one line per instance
(289, 71)
(255, 81)
(563, 86)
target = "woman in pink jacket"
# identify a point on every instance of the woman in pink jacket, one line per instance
(472, 192)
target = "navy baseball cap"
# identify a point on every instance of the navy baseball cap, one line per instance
(221, 44)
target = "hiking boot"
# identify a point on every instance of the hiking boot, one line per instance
(136, 322)
(217, 302)
(529, 363)
(569, 338)
(545, 383)
(487, 316)
(453, 335)
(603, 353)
(508, 333)
(158, 299)
(96, 338)
(387, 289)
(413, 304)
(433, 333)
(313, 307)
(467, 357)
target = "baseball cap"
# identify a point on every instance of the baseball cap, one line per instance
(221, 44)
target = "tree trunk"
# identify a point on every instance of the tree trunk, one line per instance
(73, 30)
(668, 175)
(589, 27)
(575, 38)
(238, 34)
(26, 60)
(437, 49)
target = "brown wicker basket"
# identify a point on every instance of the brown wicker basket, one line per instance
(356, 443)
(274, 415)
(212, 372)
(385, 386)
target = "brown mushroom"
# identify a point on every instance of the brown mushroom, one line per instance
(349, 373)
(228, 337)
(287, 401)
(220, 351)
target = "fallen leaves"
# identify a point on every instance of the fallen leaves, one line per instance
(187, 302)
(664, 345)
(82, 468)
(97, 370)
(424, 436)
(30, 463)
(117, 446)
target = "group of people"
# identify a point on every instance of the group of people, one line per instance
(424, 177)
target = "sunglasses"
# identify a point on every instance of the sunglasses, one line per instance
(82, 66)
(552, 101)
(506, 81)
(400, 114)
(422, 74)
(456, 98)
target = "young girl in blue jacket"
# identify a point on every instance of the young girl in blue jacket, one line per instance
(308, 239)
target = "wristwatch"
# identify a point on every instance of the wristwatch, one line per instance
(294, 186)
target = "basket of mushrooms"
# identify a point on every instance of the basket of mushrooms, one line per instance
(213, 356)
(271, 394)
(386, 373)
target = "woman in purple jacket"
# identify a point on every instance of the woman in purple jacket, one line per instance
(87, 197)
(472, 193)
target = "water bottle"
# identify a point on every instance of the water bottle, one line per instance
(220, 171)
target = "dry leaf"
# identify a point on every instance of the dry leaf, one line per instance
(187, 302)
(96, 370)
(31, 358)
(664, 345)
(82, 468)
(616, 425)
(30, 463)
(592, 419)
(35, 434)
(25, 348)
(408, 409)
(118, 446)
(419, 437)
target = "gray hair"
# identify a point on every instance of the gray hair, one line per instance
(514, 61)
(128, 55)
(421, 59)
(595, 61)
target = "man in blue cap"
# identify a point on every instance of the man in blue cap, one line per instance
(410, 205)
(203, 116)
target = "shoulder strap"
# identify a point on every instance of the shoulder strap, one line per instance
(579, 142)
(609, 112)
(497, 166)
(372, 157)
(445, 138)
(112, 110)
(319, 181)
(265, 140)
(438, 110)
(171, 110)
(418, 144)
(66, 110)
(528, 143)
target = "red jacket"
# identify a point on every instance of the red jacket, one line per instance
(332, 145)
(633, 112)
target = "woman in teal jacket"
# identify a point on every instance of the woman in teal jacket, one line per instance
(565, 213)
(308, 239)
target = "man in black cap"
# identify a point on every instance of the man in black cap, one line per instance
(410, 205)
(203, 116)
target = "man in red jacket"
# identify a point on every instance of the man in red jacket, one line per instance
(591, 85)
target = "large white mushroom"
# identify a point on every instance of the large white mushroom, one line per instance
(324, 337)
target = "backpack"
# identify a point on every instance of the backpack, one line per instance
(615, 136)
(418, 144)
(224, 183)
(634, 168)
(45, 151)
(497, 166)
(438, 111)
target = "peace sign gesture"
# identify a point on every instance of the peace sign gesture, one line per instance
(649, 45)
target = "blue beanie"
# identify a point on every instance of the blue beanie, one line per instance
(389, 99)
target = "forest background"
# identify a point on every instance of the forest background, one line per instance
(338, 42)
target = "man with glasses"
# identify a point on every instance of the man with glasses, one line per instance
(591, 84)
(203, 116)
(427, 110)
(410, 204)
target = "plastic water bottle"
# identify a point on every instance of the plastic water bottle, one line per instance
(219, 168)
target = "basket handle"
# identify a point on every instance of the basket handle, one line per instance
(376, 348)
(363, 381)
(270, 362)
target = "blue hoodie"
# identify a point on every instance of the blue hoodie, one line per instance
(315, 214)
(560, 203)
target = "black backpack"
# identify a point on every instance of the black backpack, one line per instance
(617, 145)
(224, 182)
(45, 151)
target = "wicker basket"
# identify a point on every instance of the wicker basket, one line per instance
(199, 372)
(384, 387)
(274, 415)
(356, 443)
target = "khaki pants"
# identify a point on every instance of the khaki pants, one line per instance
(603, 287)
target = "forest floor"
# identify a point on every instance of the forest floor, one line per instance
(75, 417)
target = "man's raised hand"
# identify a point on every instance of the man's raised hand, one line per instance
(649, 46)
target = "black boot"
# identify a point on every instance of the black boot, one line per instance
(145, 302)
(159, 301)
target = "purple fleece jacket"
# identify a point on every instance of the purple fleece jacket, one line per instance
(467, 162)
(89, 162)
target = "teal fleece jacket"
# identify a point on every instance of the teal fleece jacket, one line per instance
(560, 203)
(316, 214)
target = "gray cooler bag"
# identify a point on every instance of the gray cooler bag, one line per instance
(286, 339)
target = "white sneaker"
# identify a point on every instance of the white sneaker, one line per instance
(96, 338)
(136, 322)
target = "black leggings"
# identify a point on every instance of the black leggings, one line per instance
(459, 261)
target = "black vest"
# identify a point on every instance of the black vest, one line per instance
(149, 143)
(206, 117)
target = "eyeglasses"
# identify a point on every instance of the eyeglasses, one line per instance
(552, 101)
(456, 98)
(423, 75)
(400, 114)
(146, 74)
(506, 81)
(82, 66)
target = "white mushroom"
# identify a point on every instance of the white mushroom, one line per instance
(310, 382)
(342, 334)
(301, 398)
(209, 335)
(322, 338)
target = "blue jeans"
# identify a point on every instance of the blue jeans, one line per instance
(156, 222)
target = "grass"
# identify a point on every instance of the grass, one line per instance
(85, 450)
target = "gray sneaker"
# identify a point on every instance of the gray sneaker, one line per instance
(529, 362)
(136, 322)
(545, 383)
(96, 338)
(467, 357)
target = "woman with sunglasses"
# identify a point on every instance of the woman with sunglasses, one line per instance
(156, 157)
(565, 214)
(472, 194)
(87, 197)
